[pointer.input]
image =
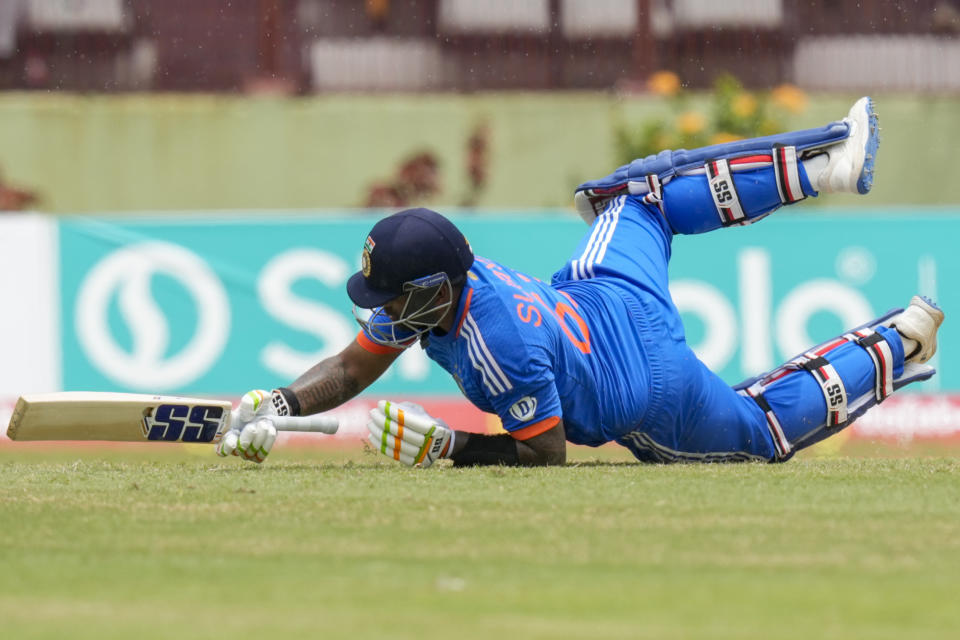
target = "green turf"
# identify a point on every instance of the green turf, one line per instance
(120, 545)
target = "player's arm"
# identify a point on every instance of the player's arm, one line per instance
(339, 378)
(328, 384)
(546, 448)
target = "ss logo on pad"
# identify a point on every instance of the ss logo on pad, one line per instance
(722, 189)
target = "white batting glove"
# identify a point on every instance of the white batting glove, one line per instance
(405, 432)
(251, 434)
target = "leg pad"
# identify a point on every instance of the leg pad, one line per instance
(784, 150)
(841, 409)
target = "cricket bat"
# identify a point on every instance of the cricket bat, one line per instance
(130, 417)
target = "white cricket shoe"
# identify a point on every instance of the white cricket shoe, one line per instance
(850, 167)
(919, 322)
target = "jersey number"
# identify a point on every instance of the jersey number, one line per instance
(561, 312)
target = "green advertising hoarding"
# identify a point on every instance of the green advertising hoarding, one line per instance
(219, 304)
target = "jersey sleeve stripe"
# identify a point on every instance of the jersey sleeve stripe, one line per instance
(599, 240)
(373, 347)
(481, 357)
(578, 271)
(606, 220)
(477, 363)
(480, 363)
(487, 357)
(614, 219)
(536, 428)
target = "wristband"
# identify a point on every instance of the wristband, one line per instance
(487, 450)
(284, 402)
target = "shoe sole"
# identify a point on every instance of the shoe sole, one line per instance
(865, 181)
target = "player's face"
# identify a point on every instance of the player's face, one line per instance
(428, 307)
(395, 307)
(420, 309)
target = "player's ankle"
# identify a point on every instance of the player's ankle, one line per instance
(911, 348)
(814, 167)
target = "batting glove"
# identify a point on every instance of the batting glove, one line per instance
(252, 434)
(405, 432)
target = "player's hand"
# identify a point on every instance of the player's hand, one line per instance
(405, 432)
(251, 434)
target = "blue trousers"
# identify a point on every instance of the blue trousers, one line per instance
(703, 418)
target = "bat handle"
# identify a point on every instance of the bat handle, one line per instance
(313, 424)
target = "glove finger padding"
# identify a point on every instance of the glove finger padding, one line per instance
(263, 440)
(247, 434)
(394, 444)
(268, 441)
(418, 420)
(410, 407)
(397, 427)
(249, 405)
(252, 433)
(228, 443)
(389, 449)
(256, 439)
(408, 434)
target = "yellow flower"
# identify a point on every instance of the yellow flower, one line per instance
(664, 83)
(744, 105)
(769, 127)
(690, 123)
(790, 98)
(722, 137)
(663, 141)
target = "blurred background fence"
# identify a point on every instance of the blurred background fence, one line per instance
(304, 46)
(125, 105)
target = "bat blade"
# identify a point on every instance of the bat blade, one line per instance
(131, 417)
(117, 417)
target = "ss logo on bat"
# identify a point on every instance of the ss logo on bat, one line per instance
(184, 423)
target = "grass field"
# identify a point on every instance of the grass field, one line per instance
(108, 544)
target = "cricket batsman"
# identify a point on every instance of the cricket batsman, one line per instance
(599, 354)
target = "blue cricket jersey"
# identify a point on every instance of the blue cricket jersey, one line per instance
(602, 347)
(534, 353)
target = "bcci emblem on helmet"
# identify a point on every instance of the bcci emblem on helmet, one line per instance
(368, 246)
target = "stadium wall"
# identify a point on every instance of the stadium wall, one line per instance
(213, 304)
(99, 153)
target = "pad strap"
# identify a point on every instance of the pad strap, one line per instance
(724, 192)
(834, 393)
(879, 350)
(787, 172)
(654, 191)
(780, 442)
